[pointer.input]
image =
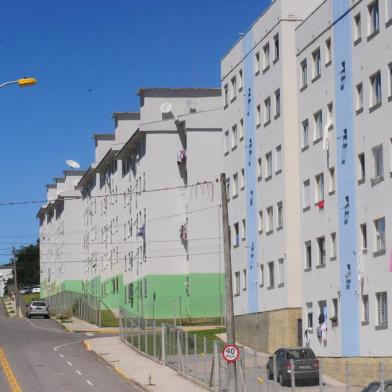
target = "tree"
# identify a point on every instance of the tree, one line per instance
(27, 265)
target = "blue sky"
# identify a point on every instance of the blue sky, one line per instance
(90, 57)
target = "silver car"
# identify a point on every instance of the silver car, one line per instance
(37, 308)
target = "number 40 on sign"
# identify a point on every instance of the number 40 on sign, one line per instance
(231, 353)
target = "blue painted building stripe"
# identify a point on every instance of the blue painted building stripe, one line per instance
(346, 176)
(250, 173)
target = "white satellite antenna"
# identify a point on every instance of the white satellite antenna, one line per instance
(72, 164)
(166, 107)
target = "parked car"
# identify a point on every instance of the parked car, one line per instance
(36, 289)
(25, 290)
(306, 365)
(375, 386)
(37, 308)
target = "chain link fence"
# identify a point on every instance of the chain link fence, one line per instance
(70, 303)
(200, 358)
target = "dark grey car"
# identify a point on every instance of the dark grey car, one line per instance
(375, 386)
(37, 308)
(306, 365)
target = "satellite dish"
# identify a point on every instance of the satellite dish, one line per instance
(72, 164)
(166, 107)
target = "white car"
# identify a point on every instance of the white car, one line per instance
(36, 289)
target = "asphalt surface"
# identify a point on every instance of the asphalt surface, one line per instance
(45, 358)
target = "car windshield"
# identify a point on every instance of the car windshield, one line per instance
(37, 303)
(300, 354)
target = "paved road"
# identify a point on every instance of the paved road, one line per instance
(45, 358)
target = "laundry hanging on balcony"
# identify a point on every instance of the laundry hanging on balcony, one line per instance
(181, 156)
(184, 232)
(141, 231)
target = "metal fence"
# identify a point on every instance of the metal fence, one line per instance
(200, 357)
(70, 303)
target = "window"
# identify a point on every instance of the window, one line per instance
(270, 219)
(226, 95)
(257, 63)
(379, 227)
(375, 82)
(236, 234)
(235, 185)
(359, 97)
(361, 166)
(308, 255)
(318, 125)
(234, 136)
(268, 164)
(357, 27)
(278, 159)
(237, 282)
(374, 18)
(259, 169)
(266, 57)
(365, 308)
(241, 129)
(281, 272)
(382, 309)
(242, 178)
(321, 251)
(316, 63)
(389, 10)
(304, 73)
(328, 51)
(267, 110)
(258, 115)
(277, 103)
(333, 253)
(335, 309)
(233, 88)
(271, 277)
(226, 142)
(330, 115)
(280, 215)
(261, 277)
(319, 187)
(331, 172)
(378, 161)
(260, 222)
(240, 80)
(309, 314)
(306, 194)
(363, 237)
(243, 229)
(276, 47)
(244, 281)
(305, 133)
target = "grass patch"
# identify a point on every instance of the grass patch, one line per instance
(27, 298)
(108, 319)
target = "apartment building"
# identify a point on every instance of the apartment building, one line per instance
(150, 209)
(344, 67)
(60, 229)
(261, 160)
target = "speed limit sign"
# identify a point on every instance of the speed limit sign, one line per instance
(231, 353)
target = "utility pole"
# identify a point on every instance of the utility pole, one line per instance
(15, 282)
(230, 328)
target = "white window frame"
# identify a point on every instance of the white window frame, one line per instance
(278, 159)
(261, 275)
(375, 89)
(258, 115)
(237, 283)
(236, 234)
(257, 62)
(277, 103)
(304, 73)
(357, 27)
(333, 249)
(268, 164)
(259, 168)
(361, 167)
(276, 48)
(374, 18)
(308, 256)
(270, 219)
(321, 251)
(378, 160)
(226, 142)
(365, 308)
(306, 194)
(242, 179)
(319, 189)
(328, 50)
(279, 218)
(305, 133)
(241, 129)
(271, 275)
(235, 185)
(364, 240)
(240, 80)
(225, 95)
(379, 235)
(309, 315)
(244, 280)
(234, 136)
(382, 309)
(266, 56)
(359, 96)
(233, 91)
(243, 229)
(316, 56)
(267, 110)
(281, 272)
(318, 125)
(260, 222)
(331, 173)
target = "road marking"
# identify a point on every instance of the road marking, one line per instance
(48, 329)
(65, 344)
(89, 334)
(69, 363)
(79, 372)
(89, 382)
(61, 355)
(12, 381)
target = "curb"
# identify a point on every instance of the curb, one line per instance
(115, 368)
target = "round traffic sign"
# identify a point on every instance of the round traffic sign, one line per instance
(231, 353)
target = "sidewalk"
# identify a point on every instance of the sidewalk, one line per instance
(146, 373)
(10, 308)
(77, 325)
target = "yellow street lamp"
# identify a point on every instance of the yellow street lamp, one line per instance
(23, 82)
